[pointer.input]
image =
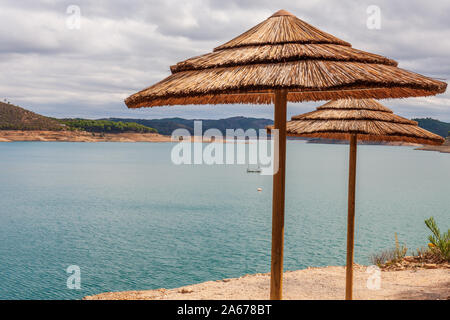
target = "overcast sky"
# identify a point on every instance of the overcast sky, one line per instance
(125, 46)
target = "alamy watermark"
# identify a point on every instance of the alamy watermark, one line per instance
(73, 20)
(236, 147)
(374, 279)
(373, 21)
(74, 280)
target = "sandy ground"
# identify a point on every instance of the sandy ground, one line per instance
(310, 284)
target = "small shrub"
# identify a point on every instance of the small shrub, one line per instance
(421, 252)
(389, 256)
(382, 257)
(440, 242)
(426, 255)
(400, 250)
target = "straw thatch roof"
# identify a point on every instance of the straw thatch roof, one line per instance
(370, 120)
(284, 52)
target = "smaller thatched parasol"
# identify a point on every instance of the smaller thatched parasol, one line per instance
(353, 120)
(367, 118)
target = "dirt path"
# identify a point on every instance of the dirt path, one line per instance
(312, 283)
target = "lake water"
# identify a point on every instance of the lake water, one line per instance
(131, 220)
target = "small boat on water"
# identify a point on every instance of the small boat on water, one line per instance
(254, 170)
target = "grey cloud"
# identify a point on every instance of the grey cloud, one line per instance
(124, 46)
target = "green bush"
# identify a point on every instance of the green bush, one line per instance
(440, 243)
(105, 126)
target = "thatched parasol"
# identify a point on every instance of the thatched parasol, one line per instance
(367, 118)
(283, 59)
(351, 119)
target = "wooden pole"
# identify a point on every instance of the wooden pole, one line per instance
(351, 218)
(276, 277)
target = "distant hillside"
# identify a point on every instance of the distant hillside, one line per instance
(168, 125)
(16, 118)
(435, 126)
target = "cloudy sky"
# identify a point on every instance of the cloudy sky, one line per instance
(50, 66)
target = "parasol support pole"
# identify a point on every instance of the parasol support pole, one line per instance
(351, 218)
(276, 277)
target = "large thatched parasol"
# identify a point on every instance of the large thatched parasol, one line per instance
(283, 59)
(351, 119)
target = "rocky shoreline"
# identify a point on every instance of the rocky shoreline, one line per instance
(444, 148)
(83, 136)
(80, 136)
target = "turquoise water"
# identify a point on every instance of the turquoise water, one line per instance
(131, 220)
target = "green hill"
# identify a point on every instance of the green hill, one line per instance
(16, 118)
(435, 126)
(168, 125)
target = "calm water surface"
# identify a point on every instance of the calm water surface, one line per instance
(131, 220)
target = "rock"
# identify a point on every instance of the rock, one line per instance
(185, 290)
